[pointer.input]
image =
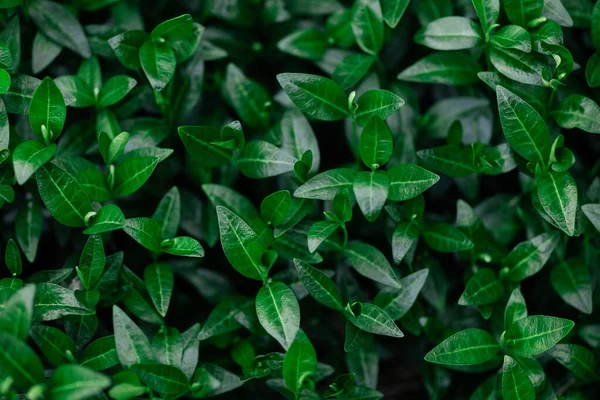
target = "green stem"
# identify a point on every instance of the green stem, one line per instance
(345, 235)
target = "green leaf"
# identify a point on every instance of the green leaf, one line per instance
(397, 302)
(56, 346)
(275, 207)
(115, 89)
(483, 288)
(515, 382)
(371, 192)
(367, 26)
(60, 25)
(164, 379)
(184, 246)
(487, 11)
(447, 68)
(101, 354)
(524, 129)
(557, 194)
(18, 97)
(592, 70)
(168, 213)
(53, 301)
(450, 33)
(326, 185)
(528, 258)
(159, 282)
(62, 195)
(516, 308)
(214, 380)
(28, 157)
(573, 282)
(297, 137)
(300, 363)
(521, 12)
(241, 245)
(352, 69)
(512, 37)
(372, 319)
(109, 218)
(468, 347)
(72, 86)
(224, 317)
(132, 173)
(261, 159)
(19, 363)
(393, 10)
(91, 263)
(203, 142)
(578, 111)
(319, 285)
(309, 44)
(145, 231)
(158, 62)
(528, 68)
(319, 232)
(132, 345)
(17, 313)
(407, 181)
(446, 238)
(556, 11)
(404, 238)
(316, 96)
(76, 382)
(5, 81)
(533, 335)
(592, 212)
(371, 263)
(126, 47)
(376, 143)
(12, 258)
(278, 312)
(376, 103)
(44, 51)
(249, 99)
(47, 111)
(576, 359)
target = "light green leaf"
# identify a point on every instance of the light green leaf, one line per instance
(557, 194)
(47, 110)
(132, 345)
(19, 362)
(446, 238)
(275, 207)
(533, 335)
(512, 37)
(326, 185)
(109, 218)
(447, 68)
(17, 313)
(450, 33)
(158, 62)
(515, 382)
(91, 263)
(376, 103)
(528, 258)
(300, 363)
(372, 319)
(132, 173)
(145, 231)
(319, 232)
(159, 282)
(28, 157)
(578, 111)
(367, 26)
(309, 44)
(261, 159)
(371, 192)
(487, 11)
(184, 246)
(573, 282)
(407, 181)
(397, 302)
(319, 285)
(393, 10)
(483, 288)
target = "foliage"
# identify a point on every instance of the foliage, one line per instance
(307, 199)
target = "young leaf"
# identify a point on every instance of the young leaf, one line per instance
(109, 218)
(47, 111)
(397, 302)
(132, 173)
(158, 62)
(145, 231)
(184, 246)
(376, 143)
(12, 258)
(319, 232)
(408, 181)
(528, 258)
(468, 347)
(278, 312)
(115, 89)
(516, 308)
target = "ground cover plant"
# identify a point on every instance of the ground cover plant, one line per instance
(299, 199)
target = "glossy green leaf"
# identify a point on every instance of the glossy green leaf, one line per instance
(132, 345)
(101, 354)
(372, 319)
(393, 10)
(533, 335)
(516, 308)
(316, 96)
(224, 317)
(164, 379)
(446, 238)
(579, 112)
(408, 181)
(145, 231)
(521, 12)
(352, 69)
(184, 246)
(515, 382)
(56, 346)
(319, 285)
(512, 37)
(528, 258)
(261, 159)
(19, 362)
(158, 62)
(326, 185)
(115, 89)
(53, 301)
(17, 313)
(572, 281)
(132, 173)
(159, 282)
(275, 207)
(376, 103)
(397, 302)
(47, 111)
(483, 288)
(249, 99)
(447, 68)
(367, 25)
(300, 363)
(371, 192)
(371, 263)
(557, 194)
(468, 347)
(450, 33)
(577, 359)
(308, 43)
(278, 312)
(28, 157)
(319, 232)
(91, 263)
(109, 218)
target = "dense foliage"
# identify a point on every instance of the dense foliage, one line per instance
(307, 199)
